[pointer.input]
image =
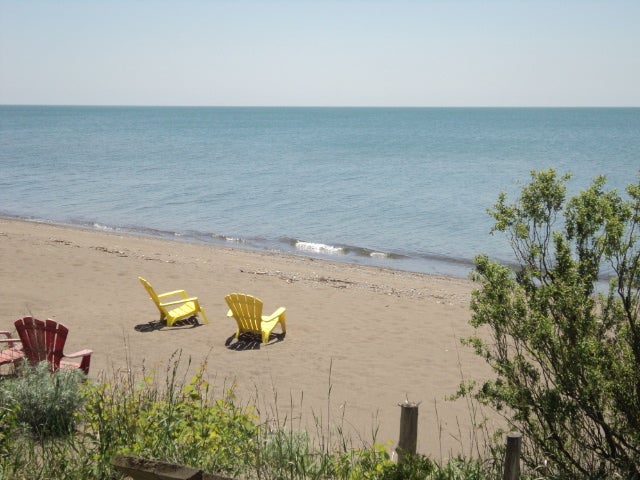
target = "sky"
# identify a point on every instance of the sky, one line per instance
(428, 53)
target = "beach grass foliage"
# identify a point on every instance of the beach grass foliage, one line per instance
(82, 424)
(45, 403)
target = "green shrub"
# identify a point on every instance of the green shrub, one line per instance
(8, 423)
(565, 349)
(176, 423)
(46, 403)
(370, 463)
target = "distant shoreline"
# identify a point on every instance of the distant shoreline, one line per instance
(439, 266)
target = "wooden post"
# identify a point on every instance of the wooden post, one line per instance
(408, 430)
(512, 457)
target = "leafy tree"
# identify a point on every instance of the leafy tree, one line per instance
(565, 347)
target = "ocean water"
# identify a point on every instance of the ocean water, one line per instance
(403, 188)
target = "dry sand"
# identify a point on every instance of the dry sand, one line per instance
(360, 340)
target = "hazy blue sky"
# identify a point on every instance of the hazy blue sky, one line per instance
(324, 52)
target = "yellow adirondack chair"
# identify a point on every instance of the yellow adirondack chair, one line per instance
(185, 306)
(247, 311)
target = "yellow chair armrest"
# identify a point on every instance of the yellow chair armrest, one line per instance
(274, 315)
(81, 353)
(175, 292)
(176, 302)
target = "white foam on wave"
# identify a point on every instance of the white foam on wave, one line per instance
(318, 248)
(378, 255)
(99, 226)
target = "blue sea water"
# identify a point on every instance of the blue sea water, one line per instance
(403, 188)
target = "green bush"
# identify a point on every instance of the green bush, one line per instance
(46, 403)
(565, 349)
(177, 423)
(8, 423)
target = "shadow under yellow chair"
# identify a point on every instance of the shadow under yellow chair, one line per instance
(247, 311)
(185, 306)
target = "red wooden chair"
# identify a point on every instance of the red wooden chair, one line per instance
(43, 340)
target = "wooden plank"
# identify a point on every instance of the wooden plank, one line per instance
(144, 469)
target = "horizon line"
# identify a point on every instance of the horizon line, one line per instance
(306, 106)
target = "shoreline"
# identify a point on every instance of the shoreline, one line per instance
(360, 339)
(429, 264)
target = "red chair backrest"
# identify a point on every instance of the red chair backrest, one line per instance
(42, 340)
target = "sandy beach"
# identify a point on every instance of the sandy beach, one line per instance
(360, 340)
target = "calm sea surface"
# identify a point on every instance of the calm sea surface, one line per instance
(404, 188)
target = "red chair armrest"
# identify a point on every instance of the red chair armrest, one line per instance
(10, 341)
(81, 353)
